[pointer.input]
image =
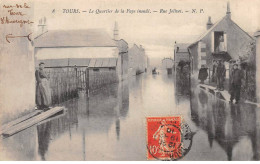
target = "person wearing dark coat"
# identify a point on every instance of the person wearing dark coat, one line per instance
(214, 71)
(220, 74)
(235, 87)
(203, 74)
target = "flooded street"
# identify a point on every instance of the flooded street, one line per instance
(110, 125)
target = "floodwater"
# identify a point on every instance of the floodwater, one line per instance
(110, 125)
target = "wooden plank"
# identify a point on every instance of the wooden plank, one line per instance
(212, 91)
(208, 86)
(53, 118)
(220, 96)
(6, 127)
(202, 87)
(253, 103)
(30, 122)
(225, 94)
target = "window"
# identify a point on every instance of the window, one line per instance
(96, 69)
(219, 41)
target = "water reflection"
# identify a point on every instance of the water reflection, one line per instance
(43, 138)
(90, 115)
(225, 123)
(109, 124)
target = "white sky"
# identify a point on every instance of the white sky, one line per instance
(156, 32)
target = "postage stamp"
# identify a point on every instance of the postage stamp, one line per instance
(168, 138)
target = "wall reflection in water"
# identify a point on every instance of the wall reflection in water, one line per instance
(228, 124)
(86, 115)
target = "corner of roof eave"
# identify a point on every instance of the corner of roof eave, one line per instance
(192, 44)
(213, 26)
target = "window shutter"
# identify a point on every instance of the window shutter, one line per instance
(212, 42)
(201, 54)
(225, 41)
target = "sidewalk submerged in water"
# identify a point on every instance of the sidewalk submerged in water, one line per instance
(224, 95)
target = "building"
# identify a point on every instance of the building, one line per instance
(138, 60)
(91, 48)
(257, 35)
(17, 84)
(122, 46)
(62, 44)
(123, 57)
(167, 64)
(222, 40)
(181, 52)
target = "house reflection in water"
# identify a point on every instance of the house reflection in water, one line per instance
(87, 117)
(233, 127)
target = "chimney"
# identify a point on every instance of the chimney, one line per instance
(42, 26)
(228, 13)
(116, 37)
(209, 24)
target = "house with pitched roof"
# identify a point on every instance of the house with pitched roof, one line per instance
(92, 48)
(75, 44)
(223, 40)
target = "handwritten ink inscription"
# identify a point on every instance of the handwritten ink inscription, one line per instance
(6, 20)
(16, 6)
(11, 36)
(15, 14)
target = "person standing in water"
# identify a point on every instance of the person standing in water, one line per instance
(43, 91)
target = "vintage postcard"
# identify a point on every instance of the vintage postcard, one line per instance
(129, 80)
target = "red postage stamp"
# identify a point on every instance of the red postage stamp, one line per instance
(164, 140)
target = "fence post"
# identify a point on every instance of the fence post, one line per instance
(76, 69)
(87, 81)
(58, 91)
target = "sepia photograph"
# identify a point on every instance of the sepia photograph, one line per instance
(130, 80)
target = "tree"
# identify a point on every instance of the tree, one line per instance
(249, 58)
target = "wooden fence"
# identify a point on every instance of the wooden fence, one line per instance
(101, 78)
(65, 82)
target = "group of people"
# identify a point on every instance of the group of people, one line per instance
(218, 77)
